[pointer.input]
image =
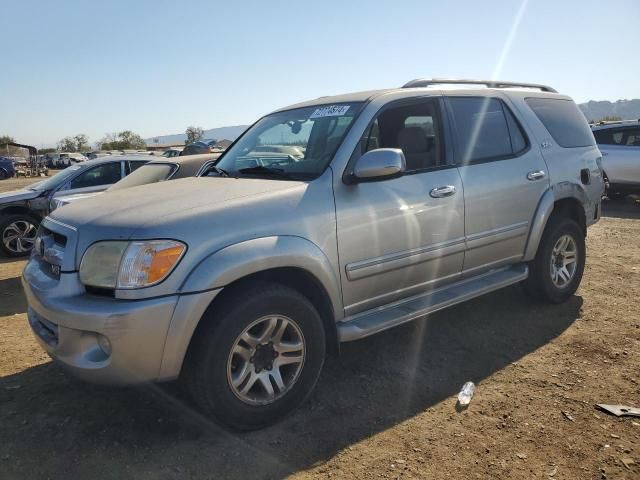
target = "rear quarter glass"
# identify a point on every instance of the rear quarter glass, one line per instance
(563, 120)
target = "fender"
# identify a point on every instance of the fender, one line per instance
(232, 263)
(545, 209)
(252, 256)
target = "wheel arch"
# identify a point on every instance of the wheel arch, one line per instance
(288, 260)
(19, 210)
(554, 204)
(296, 278)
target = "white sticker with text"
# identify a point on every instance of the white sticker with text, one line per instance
(330, 111)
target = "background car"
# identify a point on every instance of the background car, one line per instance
(619, 143)
(68, 159)
(172, 152)
(195, 148)
(7, 169)
(155, 171)
(22, 210)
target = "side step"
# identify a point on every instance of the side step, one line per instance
(373, 321)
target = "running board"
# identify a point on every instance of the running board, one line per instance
(373, 321)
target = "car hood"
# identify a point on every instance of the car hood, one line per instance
(162, 208)
(18, 195)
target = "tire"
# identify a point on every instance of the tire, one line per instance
(211, 368)
(541, 284)
(25, 226)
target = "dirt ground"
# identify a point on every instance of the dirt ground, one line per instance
(384, 409)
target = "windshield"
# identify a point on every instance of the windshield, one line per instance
(291, 145)
(57, 180)
(149, 173)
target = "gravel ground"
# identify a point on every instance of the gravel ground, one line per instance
(384, 409)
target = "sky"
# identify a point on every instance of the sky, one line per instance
(156, 67)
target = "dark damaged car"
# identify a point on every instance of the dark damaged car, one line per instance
(22, 210)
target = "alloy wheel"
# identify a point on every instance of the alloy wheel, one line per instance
(18, 237)
(266, 360)
(564, 261)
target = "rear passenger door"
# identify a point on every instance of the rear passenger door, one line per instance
(133, 165)
(94, 179)
(504, 178)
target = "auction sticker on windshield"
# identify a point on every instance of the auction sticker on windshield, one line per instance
(330, 111)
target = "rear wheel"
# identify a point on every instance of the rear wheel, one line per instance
(257, 356)
(556, 272)
(17, 235)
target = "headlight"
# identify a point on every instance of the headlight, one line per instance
(129, 265)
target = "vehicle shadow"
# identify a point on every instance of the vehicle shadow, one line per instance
(628, 207)
(4, 260)
(376, 383)
(12, 299)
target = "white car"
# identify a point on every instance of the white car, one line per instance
(619, 143)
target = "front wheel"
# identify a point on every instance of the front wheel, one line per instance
(257, 356)
(556, 272)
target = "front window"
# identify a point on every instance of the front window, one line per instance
(294, 144)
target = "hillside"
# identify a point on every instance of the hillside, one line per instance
(626, 109)
(230, 133)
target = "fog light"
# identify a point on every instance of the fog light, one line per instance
(104, 344)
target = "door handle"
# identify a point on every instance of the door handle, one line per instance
(441, 192)
(536, 175)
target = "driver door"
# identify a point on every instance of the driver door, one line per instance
(399, 237)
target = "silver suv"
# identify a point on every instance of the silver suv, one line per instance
(406, 201)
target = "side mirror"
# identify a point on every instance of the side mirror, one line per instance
(379, 164)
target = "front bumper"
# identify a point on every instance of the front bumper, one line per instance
(148, 338)
(68, 328)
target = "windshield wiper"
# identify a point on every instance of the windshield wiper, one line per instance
(267, 171)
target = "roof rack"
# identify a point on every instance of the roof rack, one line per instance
(427, 82)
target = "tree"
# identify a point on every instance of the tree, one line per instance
(194, 134)
(6, 139)
(77, 143)
(82, 142)
(67, 144)
(126, 140)
(44, 151)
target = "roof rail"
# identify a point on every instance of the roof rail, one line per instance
(426, 82)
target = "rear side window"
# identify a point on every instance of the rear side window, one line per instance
(485, 129)
(104, 174)
(564, 121)
(629, 137)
